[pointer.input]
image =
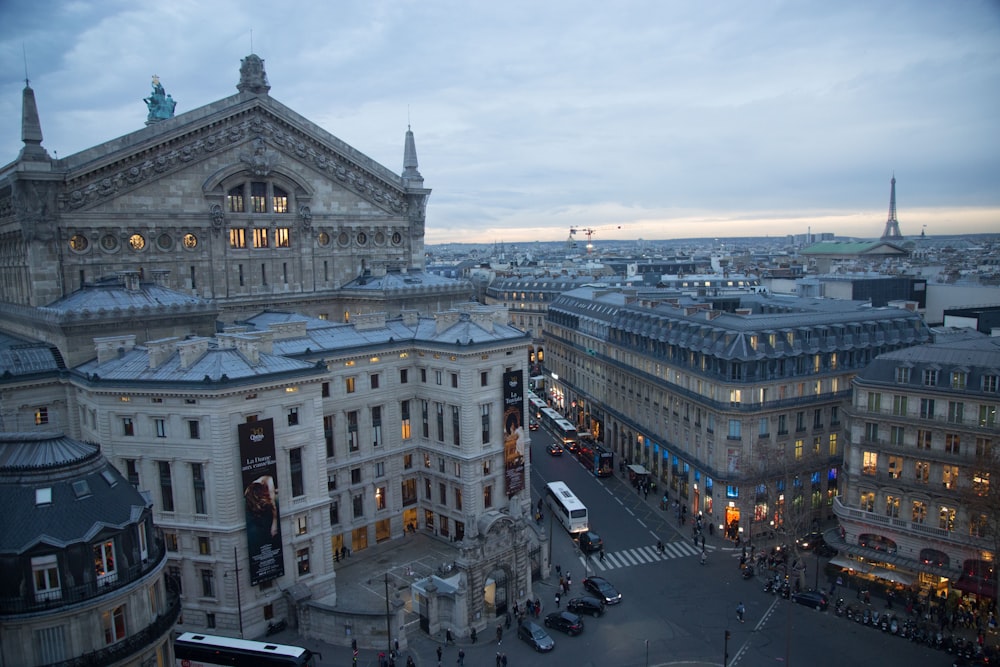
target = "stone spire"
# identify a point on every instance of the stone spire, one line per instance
(253, 78)
(31, 127)
(411, 176)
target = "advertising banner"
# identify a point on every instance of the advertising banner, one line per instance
(260, 492)
(514, 439)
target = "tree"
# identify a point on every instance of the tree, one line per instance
(981, 499)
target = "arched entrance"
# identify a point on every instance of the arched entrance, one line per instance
(495, 592)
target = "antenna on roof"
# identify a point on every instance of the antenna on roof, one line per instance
(24, 52)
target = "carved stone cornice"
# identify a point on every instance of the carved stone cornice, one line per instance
(92, 188)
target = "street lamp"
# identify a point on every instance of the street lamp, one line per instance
(239, 602)
(388, 622)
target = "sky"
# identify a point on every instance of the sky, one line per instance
(651, 119)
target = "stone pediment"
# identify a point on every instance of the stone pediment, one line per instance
(263, 133)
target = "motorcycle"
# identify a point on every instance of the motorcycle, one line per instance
(275, 627)
(769, 586)
(838, 608)
(748, 572)
(866, 619)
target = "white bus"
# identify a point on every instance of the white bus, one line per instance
(566, 507)
(193, 649)
(561, 428)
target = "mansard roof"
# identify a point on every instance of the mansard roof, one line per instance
(86, 494)
(977, 357)
(19, 357)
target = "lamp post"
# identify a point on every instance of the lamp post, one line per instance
(388, 622)
(239, 602)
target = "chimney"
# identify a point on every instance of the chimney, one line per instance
(160, 350)
(191, 351)
(112, 347)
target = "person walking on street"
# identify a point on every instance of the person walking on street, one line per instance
(740, 610)
(439, 656)
(557, 600)
(499, 633)
(704, 556)
(461, 658)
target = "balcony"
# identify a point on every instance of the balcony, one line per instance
(141, 640)
(874, 520)
(67, 595)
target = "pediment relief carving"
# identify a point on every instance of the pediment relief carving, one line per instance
(260, 134)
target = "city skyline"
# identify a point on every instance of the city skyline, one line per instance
(653, 121)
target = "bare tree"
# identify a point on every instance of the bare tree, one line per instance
(981, 498)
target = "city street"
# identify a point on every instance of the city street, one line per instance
(675, 610)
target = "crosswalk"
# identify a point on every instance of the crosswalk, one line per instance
(614, 560)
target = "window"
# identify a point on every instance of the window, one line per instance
(834, 414)
(258, 197)
(282, 239)
(454, 380)
(959, 379)
(896, 435)
(441, 464)
(209, 620)
(991, 383)
(919, 513)
(425, 423)
(334, 513)
(953, 443)
(170, 540)
(946, 518)
(949, 477)
(735, 429)
(923, 439)
(987, 416)
(984, 447)
(833, 444)
(380, 498)
(407, 461)
(328, 435)
(194, 429)
(128, 428)
(376, 425)
(302, 561)
(439, 414)
(817, 442)
(349, 384)
(456, 428)
(892, 506)
(45, 574)
(868, 501)
(355, 475)
(488, 496)
(762, 427)
(458, 498)
(373, 380)
(353, 443)
(41, 416)
(423, 375)
(484, 417)
(161, 427)
(234, 200)
(295, 469)
(895, 467)
(113, 622)
(484, 379)
(438, 377)
(922, 472)
(871, 431)
(979, 525)
(782, 425)
(956, 412)
(302, 525)
(870, 463)
(359, 505)
(927, 408)
(198, 484)
(204, 546)
(874, 401)
(404, 375)
(903, 375)
(325, 393)
(798, 449)
(981, 482)
(132, 472)
(207, 583)
(166, 487)
(404, 409)
(899, 405)
(930, 377)
(105, 565)
(380, 469)
(293, 416)
(237, 238)
(800, 421)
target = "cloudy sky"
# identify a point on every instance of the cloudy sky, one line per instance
(646, 119)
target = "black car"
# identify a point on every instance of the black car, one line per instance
(586, 605)
(813, 599)
(590, 541)
(603, 589)
(555, 449)
(814, 542)
(536, 636)
(532, 425)
(565, 621)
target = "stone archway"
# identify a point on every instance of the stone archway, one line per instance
(496, 592)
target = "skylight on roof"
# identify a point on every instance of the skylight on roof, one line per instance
(43, 496)
(81, 488)
(109, 477)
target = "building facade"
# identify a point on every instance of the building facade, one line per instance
(734, 403)
(84, 566)
(918, 463)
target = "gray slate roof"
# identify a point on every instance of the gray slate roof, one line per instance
(22, 357)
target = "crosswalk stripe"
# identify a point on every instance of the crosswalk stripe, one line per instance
(637, 556)
(627, 557)
(651, 553)
(643, 555)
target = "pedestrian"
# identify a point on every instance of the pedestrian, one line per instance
(439, 655)
(499, 633)
(507, 619)
(410, 663)
(559, 571)
(704, 556)
(472, 635)
(448, 639)
(740, 610)
(602, 553)
(538, 607)
(503, 660)
(461, 657)
(562, 583)
(557, 600)
(498, 658)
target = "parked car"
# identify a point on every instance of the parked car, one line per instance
(555, 449)
(603, 589)
(587, 604)
(536, 636)
(565, 621)
(590, 541)
(813, 599)
(532, 425)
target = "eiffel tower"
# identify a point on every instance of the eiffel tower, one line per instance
(892, 232)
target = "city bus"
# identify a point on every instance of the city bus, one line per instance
(595, 458)
(566, 507)
(193, 649)
(562, 429)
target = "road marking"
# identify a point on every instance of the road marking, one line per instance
(644, 555)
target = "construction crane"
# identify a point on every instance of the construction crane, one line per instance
(589, 232)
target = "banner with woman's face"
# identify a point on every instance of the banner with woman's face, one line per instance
(260, 493)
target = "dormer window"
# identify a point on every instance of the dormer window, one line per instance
(234, 200)
(45, 572)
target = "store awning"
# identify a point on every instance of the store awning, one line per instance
(895, 576)
(842, 561)
(976, 585)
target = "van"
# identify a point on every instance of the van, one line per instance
(590, 541)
